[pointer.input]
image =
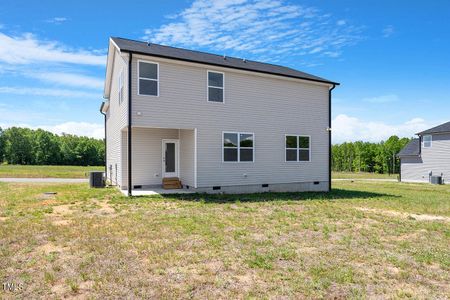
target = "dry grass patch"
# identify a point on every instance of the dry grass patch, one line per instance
(95, 243)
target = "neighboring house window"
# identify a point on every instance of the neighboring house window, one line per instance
(238, 147)
(148, 82)
(298, 148)
(215, 86)
(427, 139)
(121, 95)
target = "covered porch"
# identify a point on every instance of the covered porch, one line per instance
(163, 160)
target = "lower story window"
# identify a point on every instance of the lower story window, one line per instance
(298, 148)
(238, 147)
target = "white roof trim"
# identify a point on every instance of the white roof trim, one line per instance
(109, 62)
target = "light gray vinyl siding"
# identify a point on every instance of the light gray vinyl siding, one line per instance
(435, 159)
(147, 155)
(268, 106)
(116, 120)
(187, 157)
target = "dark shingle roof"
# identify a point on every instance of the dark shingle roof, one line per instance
(212, 59)
(438, 129)
(411, 149)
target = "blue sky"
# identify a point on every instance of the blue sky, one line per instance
(392, 58)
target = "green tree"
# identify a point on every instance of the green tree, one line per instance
(2, 145)
(46, 148)
(18, 146)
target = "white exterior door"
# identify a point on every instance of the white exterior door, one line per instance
(170, 158)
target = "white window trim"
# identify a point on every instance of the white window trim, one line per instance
(238, 148)
(121, 89)
(217, 87)
(430, 141)
(150, 79)
(298, 156)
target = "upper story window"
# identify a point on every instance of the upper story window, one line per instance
(215, 86)
(298, 148)
(148, 78)
(427, 140)
(238, 147)
(120, 86)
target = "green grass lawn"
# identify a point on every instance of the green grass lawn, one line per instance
(19, 171)
(363, 240)
(362, 175)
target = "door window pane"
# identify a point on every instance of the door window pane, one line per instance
(170, 157)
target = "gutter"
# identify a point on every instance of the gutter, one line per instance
(420, 145)
(329, 136)
(104, 114)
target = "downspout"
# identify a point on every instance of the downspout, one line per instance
(106, 165)
(129, 125)
(329, 137)
(420, 145)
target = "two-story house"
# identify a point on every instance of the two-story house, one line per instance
(215, 123)
(426, 156)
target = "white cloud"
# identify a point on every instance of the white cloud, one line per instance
(346, 129)
(57, 20)
(263, 28)
(94, 130)
(69, 79)
(388, 31)
(79, 128)
(382, 99)
(27, 49)
(66, 93)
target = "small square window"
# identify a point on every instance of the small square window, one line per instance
(298, 148)
(237, 147)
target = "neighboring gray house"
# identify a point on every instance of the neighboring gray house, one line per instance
(213, 123)
(427, 155)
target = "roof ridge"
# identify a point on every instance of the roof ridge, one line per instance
(208, 53)
(217, 59)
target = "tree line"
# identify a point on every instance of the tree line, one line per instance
(25, 146)
(368, 157)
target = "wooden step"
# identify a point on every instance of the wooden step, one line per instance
(171, 183)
